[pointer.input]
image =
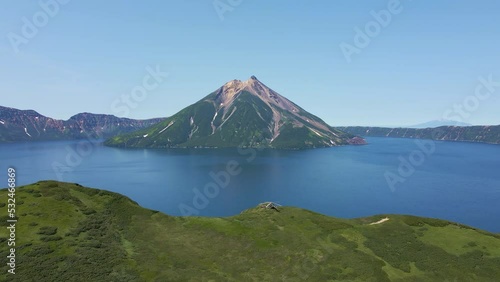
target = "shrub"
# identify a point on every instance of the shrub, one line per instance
(420, 222)
(88, 211)
(22, 247)
(91, 244)
(51, 238)
(472, 244)
(39, 251)
(47, 230)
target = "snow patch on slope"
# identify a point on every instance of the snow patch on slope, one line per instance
(169, 125)
(317, 133)
(212, 123)
(26, 131)
(230, 115)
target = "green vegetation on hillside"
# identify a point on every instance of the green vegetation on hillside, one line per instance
(70, 233)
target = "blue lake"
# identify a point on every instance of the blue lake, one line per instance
(458, 181)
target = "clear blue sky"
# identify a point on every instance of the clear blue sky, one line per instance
(91, 52)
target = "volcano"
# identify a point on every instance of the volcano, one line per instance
(239, 114)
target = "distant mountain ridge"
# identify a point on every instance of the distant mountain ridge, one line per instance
(240, 114)
(483, 134)
(439, 123)
(28, 125)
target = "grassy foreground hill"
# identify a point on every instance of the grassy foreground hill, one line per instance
(67, 232)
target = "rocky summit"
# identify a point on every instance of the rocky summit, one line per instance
(240, 114)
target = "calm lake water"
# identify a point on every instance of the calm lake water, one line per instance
(458, 182)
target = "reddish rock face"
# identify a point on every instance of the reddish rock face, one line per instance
(357, 141)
